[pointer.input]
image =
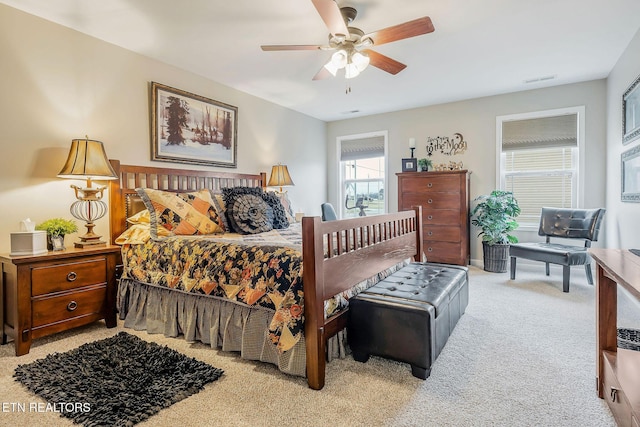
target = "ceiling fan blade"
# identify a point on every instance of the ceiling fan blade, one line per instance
(272, 47)
(322, 74)
(331, 15)
(417, 27)
(384, 62)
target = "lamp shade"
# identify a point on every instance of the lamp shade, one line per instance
(279, 176)
(87, 159)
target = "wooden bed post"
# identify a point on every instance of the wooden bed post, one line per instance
(313, 284)
(117, 220)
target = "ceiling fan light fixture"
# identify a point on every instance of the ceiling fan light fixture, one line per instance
(339, 58)
(351, 71)
(331, 67)
(361, 60)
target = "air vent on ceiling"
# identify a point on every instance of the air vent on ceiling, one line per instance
(540, 79)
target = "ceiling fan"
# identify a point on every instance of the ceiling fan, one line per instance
(351, 45)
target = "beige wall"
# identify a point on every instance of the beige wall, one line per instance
(622, 218)
(58, 84)
(476, 120)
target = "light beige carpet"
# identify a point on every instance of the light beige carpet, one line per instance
(522, 355)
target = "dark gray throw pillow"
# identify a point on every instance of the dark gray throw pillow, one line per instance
(250, 214)
(280, 220)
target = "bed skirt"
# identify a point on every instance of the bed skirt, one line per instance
(220, 323)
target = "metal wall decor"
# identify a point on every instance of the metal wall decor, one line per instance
(446, 146)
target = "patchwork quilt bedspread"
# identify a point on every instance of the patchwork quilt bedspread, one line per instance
(262, 270)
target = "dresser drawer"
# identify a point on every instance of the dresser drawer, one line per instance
(72, 275)
(433, 201)
(445, 252)
(441, 233)
(440, 217)
(427, 183)
(67, 305)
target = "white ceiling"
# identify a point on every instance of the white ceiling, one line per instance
(479, 47)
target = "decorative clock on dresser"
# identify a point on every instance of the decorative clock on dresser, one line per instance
(44, 294)
(444, 197)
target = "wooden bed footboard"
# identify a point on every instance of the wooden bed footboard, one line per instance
(340, 254)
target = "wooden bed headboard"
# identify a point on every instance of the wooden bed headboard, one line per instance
(125, 202)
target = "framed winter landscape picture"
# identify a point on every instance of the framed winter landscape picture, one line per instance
(189, 128)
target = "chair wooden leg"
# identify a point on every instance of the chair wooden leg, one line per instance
(513, 268)
(587, 269)
(566, 271)
(546, 268)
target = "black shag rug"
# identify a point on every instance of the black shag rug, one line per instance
(118, 381)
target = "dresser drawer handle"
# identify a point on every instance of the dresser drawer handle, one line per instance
(430, 217)
(72, 306)
(430, 185)
(72, 276)
(430, 233)
(430, 201)
(430, 250)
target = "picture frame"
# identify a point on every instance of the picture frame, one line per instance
(193, 129)
(410, 165)
(630, 160)
(631, 112)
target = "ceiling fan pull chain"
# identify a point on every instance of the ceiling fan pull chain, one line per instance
(347, 90)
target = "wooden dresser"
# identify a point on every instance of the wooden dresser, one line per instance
(617, 369)
(44, 294)
(444, 197)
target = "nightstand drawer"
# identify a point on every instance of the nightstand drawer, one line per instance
(67, 305)
(72, 275)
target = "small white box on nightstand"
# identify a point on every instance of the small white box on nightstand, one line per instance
(28, 243)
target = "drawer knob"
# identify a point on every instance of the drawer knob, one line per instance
(430, 233)
(430, 201)
(72, 306)
(430, 217)
(430, 250)
(72, 276)
(430, 185)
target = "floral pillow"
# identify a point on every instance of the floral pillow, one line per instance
(181, 213)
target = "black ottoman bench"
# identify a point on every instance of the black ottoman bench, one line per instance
(409, 315)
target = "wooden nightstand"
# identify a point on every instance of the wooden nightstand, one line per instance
(44, 294)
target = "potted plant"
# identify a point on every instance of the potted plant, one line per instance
(495, 215)
(56, 229)
(425, 164)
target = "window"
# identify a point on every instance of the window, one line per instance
(539, 161)
(362, 175)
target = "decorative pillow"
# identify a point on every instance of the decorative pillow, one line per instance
(279, 214)
(142, 217)
(221, 208)
(287, 205)
(250, 214)
(181, 213)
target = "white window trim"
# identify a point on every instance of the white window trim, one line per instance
(339, 140)
(579, 110)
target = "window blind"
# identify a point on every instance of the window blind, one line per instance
(365, 148)
(555, 131)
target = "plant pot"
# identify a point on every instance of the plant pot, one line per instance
(495, 257)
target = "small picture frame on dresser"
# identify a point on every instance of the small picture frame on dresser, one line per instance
(410, 165)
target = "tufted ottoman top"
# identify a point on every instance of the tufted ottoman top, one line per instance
(423, 282)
